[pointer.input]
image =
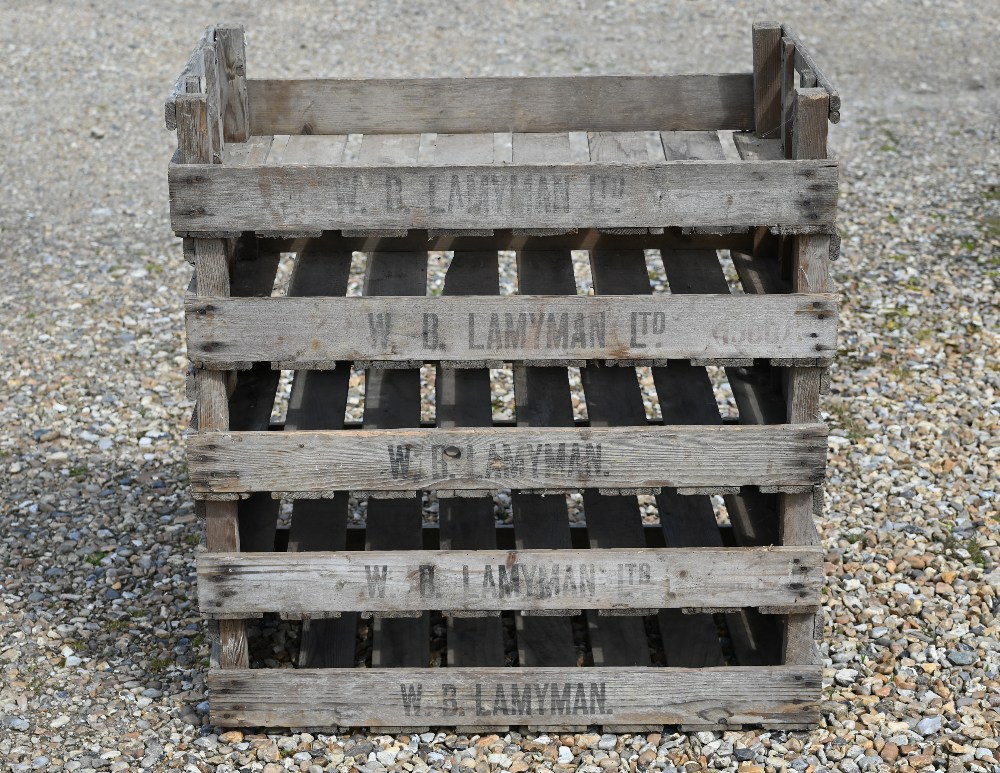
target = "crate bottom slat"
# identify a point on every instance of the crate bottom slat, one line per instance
(705, 698)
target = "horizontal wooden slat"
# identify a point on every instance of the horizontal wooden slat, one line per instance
(695, 697)
(574, 239)
(301, 332)
(798, 195)
(462, 105)
(518, 458)
(194, 69)
(240, 585)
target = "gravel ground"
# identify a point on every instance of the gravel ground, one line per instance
(101, 649)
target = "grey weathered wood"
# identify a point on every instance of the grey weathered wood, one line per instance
(799, 195)
(222, 521)
(464, 148)
(548, 149)
(316, 331)
(194, 143)
(766, 78)
(392, 399)
(238, 585)
(318, 401)
(230, 46)
(753, 148)
(464, 398)
(542, 398)
(467, 105)
(710, 698)
(253, 270)
(193, 70)
(619, 147)
(486, 239)
(310, 149)
(687, 396)
(787, 95)
(535, 457)
(213, 98)
(388, 149)
(276, 154)
(614, 399)
(804, 60)
(810, 133)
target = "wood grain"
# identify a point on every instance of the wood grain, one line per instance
(194, 71)
(700, 697)
(465, 105)
(799, 195)
(230, 47)
(316, 332)
(240, 585)
(806, 61)
(524, 458)
(766, 78)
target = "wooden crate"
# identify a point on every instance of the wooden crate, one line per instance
(611, 621)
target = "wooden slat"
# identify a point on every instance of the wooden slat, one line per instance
(231, 57)
(542, 398)
(194, 69)
(704, 697)
(766, 78)
(800, 195)
(222, 522)
(298, 332)
(464, 148)
(466, 105)
(194, 143)
(392, 399)
(237, 585)
(805, 60)
(391, 149)
(522, 457)
(580, 239)
(618, 147)
(810, 273)
(542, 148)
(252, 399)
(464, 398)
(315, 149)
(687, 396)
(318, 401)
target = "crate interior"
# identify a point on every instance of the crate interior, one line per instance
(592, 395)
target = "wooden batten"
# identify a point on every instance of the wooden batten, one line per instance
(776, 696)
(545, 458)
(241, 585)
(550, 622)
(317, 332)
(799, 195)
(468, 105)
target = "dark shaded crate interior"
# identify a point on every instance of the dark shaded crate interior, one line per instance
(592, 395)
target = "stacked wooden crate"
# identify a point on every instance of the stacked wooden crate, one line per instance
(688, 621)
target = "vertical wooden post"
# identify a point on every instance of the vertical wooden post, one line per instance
(767, 79)
(194, 143)
(810, 274)
(788, 91)
(230, 46)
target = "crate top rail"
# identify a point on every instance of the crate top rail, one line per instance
(519, 153)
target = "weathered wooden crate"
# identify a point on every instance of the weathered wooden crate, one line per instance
(613, 621)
